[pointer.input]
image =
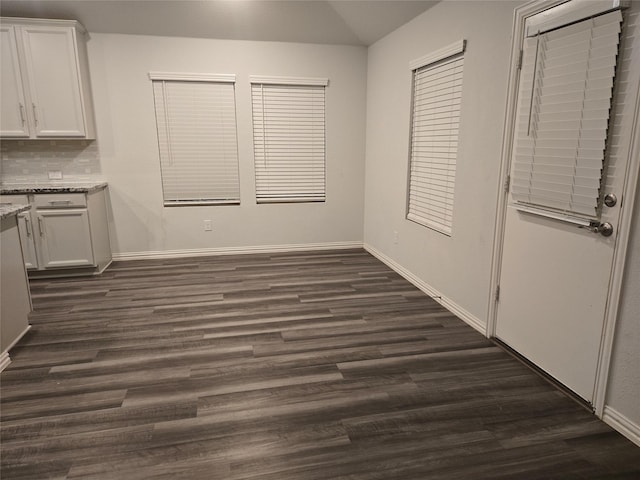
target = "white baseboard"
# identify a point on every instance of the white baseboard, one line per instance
(447, 303)
(4, 360)
(622, 424)
(202, 252)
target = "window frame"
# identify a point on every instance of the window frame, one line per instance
(274, 81)
(197, 78)
(435, 59)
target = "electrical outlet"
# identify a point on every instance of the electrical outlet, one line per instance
(207, 226)
(55, 174)
(395, 236)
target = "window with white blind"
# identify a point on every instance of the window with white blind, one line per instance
(289, 138)
(566, 87)
(435, 120)
(196, 123)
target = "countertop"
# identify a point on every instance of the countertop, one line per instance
(23, 189)
(7, 211)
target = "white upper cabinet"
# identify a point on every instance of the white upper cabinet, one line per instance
(13, 120)
(45, 80)
(52, 72)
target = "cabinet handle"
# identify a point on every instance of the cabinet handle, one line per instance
(35, 113)
(40, 226)
(22, 116)
(27, 226)
(59, 202)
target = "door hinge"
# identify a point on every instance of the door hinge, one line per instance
(520, 60)
(507, 183)
(498, 293)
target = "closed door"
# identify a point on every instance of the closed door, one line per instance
(571, 148)
(65, 238)
(13, 120)
(54, 81)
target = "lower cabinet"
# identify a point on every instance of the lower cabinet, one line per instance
(63, 234)
(15, 300)
(25, 227)
(65, 238)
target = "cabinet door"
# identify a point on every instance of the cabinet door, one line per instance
(13, 118)
(25, 227)
(65, 238)
(51, 61)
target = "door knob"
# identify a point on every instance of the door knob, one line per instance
(610, 199)
(605, 229)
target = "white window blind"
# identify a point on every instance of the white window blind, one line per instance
(435, 120)
(289, 139)
(566, 88)
(196, 122)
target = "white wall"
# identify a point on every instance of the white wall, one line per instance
(459, 267)
(127, 143)
(456, 266)
(623, 389)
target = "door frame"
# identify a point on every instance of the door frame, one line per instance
(628, 195)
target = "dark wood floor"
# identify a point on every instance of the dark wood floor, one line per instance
(323, 365)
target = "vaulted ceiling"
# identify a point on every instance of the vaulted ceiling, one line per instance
(343, 22)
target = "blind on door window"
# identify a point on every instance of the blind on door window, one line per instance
(565, 96)
(289, 141)
(196, 122)
(435, 120)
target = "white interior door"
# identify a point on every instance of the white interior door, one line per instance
(556, 270)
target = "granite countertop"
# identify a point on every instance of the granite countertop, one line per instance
(7, 211)
(79, 187)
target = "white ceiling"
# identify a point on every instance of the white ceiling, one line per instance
(344, 22)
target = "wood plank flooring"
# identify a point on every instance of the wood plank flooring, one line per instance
(315, 365)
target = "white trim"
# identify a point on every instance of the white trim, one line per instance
(622, 424)
(441, 54)
(193, 77)
(542, 212)
(198, 203)
(18, 338)
(4, 356)
(520, 16)
(203, 252)
(44, 22)
(568, 12)
(67, 272)
(4, 360)
(288, 80)
(446, 302)
(267, 201)
(613, 299)
(630, 190)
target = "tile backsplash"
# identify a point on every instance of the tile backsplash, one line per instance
(30, 161)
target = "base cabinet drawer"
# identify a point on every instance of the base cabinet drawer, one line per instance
(59, 200)
(14, 199)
